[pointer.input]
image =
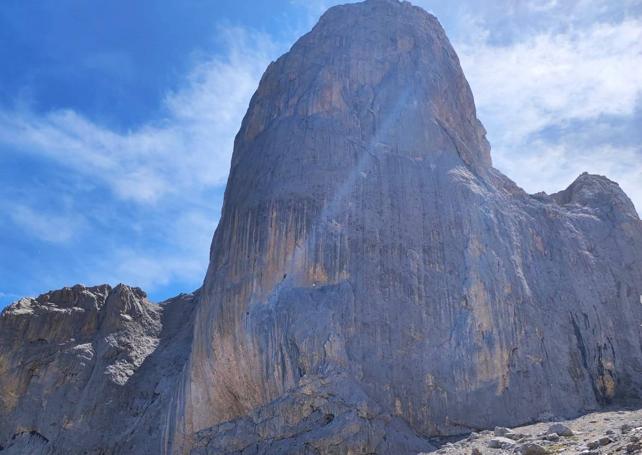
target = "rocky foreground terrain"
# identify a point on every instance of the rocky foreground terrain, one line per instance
(374, 284)
(606, 432)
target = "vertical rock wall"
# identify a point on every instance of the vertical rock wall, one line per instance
(365, 231)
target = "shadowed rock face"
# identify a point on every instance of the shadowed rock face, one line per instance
(373, 280)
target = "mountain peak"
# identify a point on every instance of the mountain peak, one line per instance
(384, 73)
(365, 231)
(600, 193)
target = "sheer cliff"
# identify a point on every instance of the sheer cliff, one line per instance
(365, 232)
(373, 280)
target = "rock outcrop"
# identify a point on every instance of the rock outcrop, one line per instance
(373, 281)
(90, 370)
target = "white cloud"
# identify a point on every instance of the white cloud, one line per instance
(550, 80)
(189, 148)
(48, 227)
(541, 5)
(148, 271)
(183, 258)
(316, 7)
(172, 169)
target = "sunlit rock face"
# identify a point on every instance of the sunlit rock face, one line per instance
(367, 240)
(90, 370)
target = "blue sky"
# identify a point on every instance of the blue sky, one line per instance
(117, 118)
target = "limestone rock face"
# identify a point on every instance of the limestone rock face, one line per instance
(90, 370)
(373, 281)
(365, 232)
(320, 415)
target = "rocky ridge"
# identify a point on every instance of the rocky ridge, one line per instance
(86, 369)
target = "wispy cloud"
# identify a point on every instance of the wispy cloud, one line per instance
(189, 148)
(181, 257)
(46, 226)
(542, 5)
(553, 78)
(559, 79)
(147, 204)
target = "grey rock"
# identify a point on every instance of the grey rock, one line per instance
(532, 448)
(501, 431)
(361, 177)
(516, 436)
(312, 418)
(593, 445)
(633, 447)
(560, 430)
(77, 362)
(501, 443)
(551, 437)
(599, 442)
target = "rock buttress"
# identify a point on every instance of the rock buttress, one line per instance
(365, 233)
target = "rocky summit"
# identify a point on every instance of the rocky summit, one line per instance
(90, 370)
(374, 286)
